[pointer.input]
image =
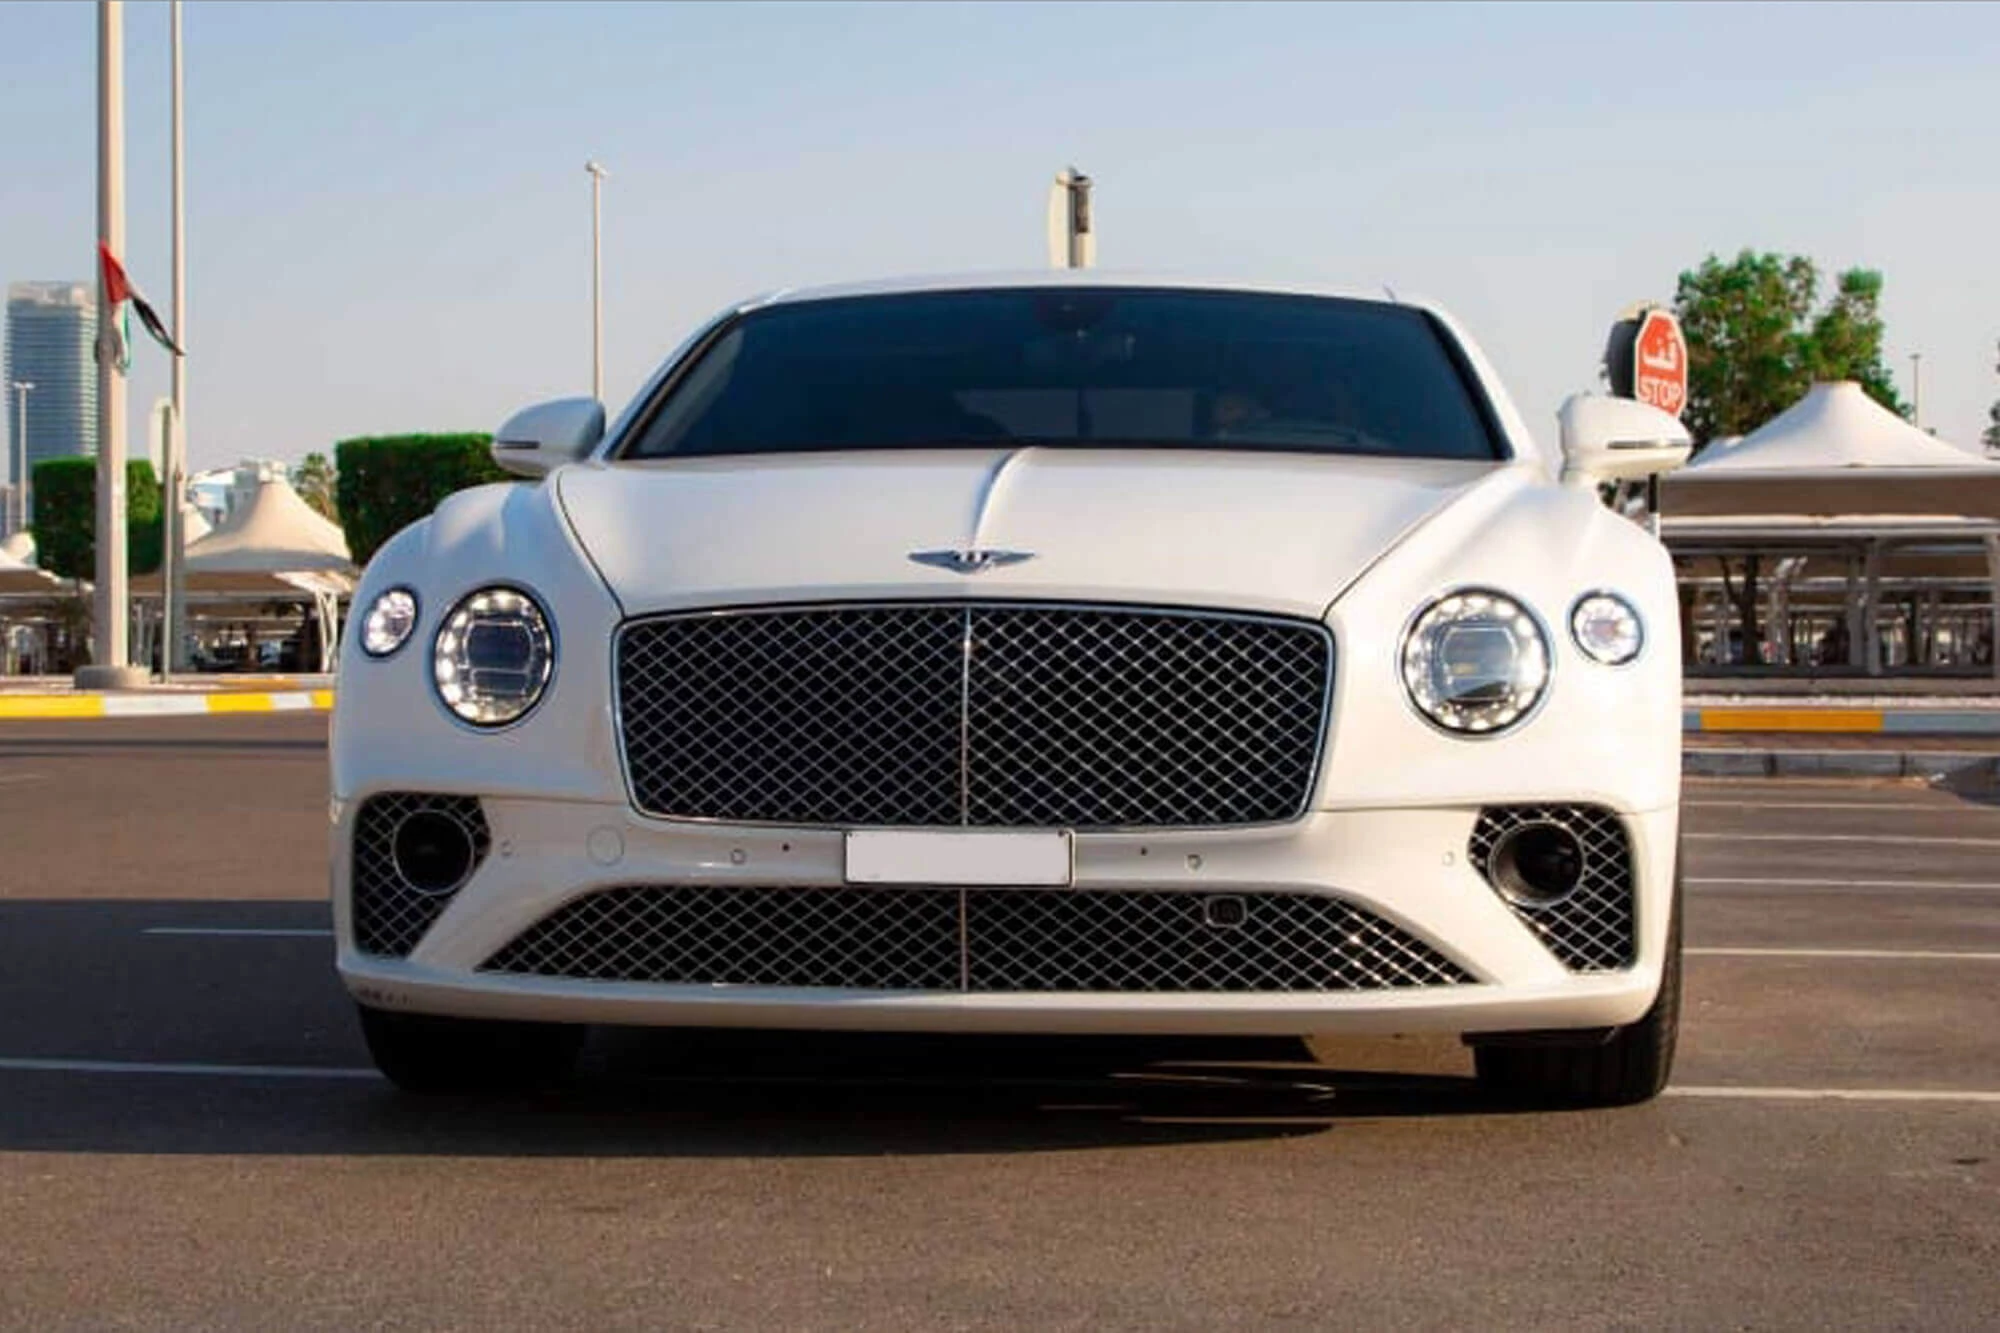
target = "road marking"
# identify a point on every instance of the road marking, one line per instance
(1957, 885)
(1897, 840)
(35, 1066)
(1901, 807)
(233, 931)
(6, 778)
(1835, 1094)
(1913, 955)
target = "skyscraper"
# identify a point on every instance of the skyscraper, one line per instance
(51, 333)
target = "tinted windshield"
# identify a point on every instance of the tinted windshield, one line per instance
(1090, 367)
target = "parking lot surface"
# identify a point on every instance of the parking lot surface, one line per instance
(190, 1135)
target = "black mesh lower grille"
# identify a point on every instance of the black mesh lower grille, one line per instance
(390, 915)
(984, 940)
(1593, 929)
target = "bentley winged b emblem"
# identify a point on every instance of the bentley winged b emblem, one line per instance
(971, 561)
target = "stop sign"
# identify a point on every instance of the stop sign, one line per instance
(1660, 363)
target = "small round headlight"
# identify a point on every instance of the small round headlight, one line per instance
(494, 656)
(1475, 662)
(1607, 628)
(389, 621)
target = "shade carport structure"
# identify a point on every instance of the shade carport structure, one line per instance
(1869, 546)
(272, 547)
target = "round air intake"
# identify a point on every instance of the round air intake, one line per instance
(433, 852)
(1536, 865)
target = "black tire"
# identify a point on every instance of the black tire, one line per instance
(1628, 1067)
(425, 1054)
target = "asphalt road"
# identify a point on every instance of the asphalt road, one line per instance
(1845, 937)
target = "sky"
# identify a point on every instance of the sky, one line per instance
(389, 222)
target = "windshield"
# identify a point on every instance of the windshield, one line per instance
(1089, 367)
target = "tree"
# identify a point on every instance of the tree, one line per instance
(1756, 343)
(1991, 439)
(315, 482)
(66, 517)
(385, 483)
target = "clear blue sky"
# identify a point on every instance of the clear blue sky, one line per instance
(388, 217)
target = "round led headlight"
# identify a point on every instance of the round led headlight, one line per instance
(1607, 628)
(389, 621)
(494, 655)
(1475, 662)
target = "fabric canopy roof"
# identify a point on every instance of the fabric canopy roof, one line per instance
(1834, 453)
(272, 532)
(272, 544)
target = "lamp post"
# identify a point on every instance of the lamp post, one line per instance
(1917, 389)
(598, 175)
(173, 449)
(22, 388)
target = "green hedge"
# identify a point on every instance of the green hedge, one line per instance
(387, 482)
(65, 523)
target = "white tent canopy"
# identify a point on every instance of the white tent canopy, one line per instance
(1836, 453)
(1843, 485)
(1833, 426)
(274, 531)
(271, 545)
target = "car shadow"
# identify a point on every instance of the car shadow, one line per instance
(127, 1030)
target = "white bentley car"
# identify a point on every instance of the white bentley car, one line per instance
(1052, 654)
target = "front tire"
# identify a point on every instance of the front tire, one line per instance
(429, 1055)
(1629, 1066)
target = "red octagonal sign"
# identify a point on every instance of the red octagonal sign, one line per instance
(1660, 363)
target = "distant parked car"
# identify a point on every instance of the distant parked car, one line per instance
(1055, 654)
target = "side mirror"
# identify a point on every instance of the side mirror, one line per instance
(537, 440)
(1618, 439)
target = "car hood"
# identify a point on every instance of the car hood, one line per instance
(1280, 533)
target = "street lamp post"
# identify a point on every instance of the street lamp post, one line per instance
(173, 449)
(22, 388)
(1917, 389)
(598, 175)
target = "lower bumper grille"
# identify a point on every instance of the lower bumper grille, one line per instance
(390, 913)
(1594, 927)
(979, 940)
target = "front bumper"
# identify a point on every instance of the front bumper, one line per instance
(1407, 866)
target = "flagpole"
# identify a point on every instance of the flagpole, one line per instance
(597, 175)
(173, 451)
(111, 668)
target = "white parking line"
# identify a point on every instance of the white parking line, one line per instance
(1897, 955)
(238, 931)
(19, 777)
(1886, 840)
(1901, 807)
(1835, 1094)
(38, 1066)
(1938, 885)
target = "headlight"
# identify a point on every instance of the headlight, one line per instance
(1607, 628)
(1475, 662)
(389, 621)
(494, 656)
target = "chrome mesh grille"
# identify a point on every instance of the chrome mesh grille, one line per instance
(1593, 928)
(390, 916)
(988, 714)
(984, 940)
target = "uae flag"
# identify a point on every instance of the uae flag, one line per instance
(118, 289)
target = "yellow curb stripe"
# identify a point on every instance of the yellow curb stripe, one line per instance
(1791, 719)
(240, 703)
(322, 699)
(60, 705)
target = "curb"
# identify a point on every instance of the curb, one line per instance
(1928, 764)
(1866, 721)
(161, 705)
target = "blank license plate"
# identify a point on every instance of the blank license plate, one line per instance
(1012, 859)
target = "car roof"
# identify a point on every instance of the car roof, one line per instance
(1059, 278)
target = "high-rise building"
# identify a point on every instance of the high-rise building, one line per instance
(51, 338)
